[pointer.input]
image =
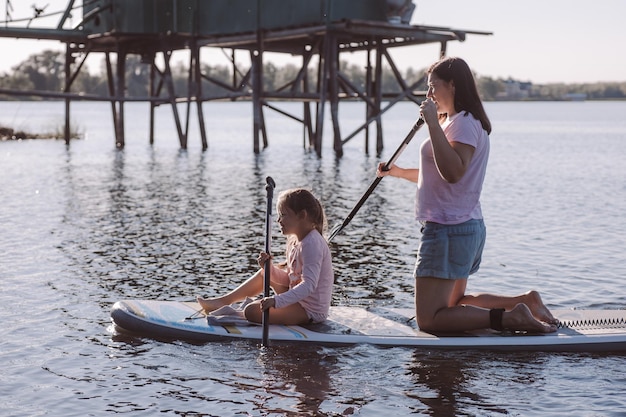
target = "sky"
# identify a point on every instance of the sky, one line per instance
(541, 41)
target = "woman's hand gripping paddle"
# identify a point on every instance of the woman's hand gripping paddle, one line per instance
(269, 187)
(335, 230)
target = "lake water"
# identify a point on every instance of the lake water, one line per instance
(86, 225)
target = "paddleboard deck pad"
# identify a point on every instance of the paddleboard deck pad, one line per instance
(580, 330)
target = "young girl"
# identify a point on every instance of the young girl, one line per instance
(303, 288)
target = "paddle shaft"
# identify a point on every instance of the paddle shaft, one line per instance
(418, 124)
(269, 187)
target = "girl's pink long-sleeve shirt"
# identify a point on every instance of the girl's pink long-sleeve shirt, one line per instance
(309, 275)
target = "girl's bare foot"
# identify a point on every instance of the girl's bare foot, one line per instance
(522, 319)
(209, 304)
(538, 309)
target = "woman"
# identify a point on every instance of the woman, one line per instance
(453, 161)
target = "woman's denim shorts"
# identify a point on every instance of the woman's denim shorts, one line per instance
(450, 251)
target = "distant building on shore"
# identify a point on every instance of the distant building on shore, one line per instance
(575, 96)
(514, 90)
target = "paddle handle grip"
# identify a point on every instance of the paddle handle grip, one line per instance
(404, 144)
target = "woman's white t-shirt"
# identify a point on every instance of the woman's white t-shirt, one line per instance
(440, 201)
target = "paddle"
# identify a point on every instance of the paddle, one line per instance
(269, 187)
(335, 230)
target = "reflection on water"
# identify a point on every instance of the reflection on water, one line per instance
(302, 372)
(449, 383)
(192, 220)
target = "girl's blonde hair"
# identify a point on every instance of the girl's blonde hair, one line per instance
(300, 199)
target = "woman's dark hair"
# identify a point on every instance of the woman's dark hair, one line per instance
(466, 96)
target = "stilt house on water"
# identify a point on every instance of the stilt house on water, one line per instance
(317, 32)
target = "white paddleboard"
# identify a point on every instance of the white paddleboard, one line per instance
(580, 330)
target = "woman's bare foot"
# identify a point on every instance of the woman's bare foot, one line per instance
(522, 319)
(538, 309)
(209, 304)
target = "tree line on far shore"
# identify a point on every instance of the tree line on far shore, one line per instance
(45, 72)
